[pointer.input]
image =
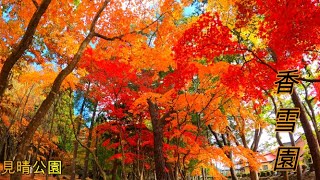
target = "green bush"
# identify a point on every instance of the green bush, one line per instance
(272, 173)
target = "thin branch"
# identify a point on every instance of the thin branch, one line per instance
(216, 136)
(224, 140)
(35, 3)
(275, 111)
(232, 135)
(97, 15)
(91, 151)
(122, 35)
(309, 80)
(167, 115)
(108, 38)
(262, 61)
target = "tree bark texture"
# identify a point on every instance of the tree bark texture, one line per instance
(86, 159)
(158, 124)
(312, 141)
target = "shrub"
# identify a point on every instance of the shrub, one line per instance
(272, 173)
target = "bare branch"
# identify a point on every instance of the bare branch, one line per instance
(119, 37)
(233, 136)
(98, 14)
(91, 151)
(108, 38)
(309, 80)
(35, 3)
(216, 136)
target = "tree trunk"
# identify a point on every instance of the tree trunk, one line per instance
(232, 171)
(233, 174)
(204, 175)
(312, 142)
(141, 175)
(86, 159)
(293, 143)
(299, 172)
(254, 175)
(285, 175)
(48, 159)
(114, 170)
(75, 153)
(95, 158)
(157, 124)
(23, 45)
(312, 115)
(94, 165)
(123, 170)
(75, 142)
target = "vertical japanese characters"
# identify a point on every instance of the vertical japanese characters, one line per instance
(286, 118)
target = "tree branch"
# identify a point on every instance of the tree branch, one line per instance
(233, 136)
(23, 45)
(215, 136)
(119, 37)
(108, 38)
(309, 80)
(35, 3)
(91, 151)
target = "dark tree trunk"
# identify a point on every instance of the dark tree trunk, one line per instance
(232, 171)
(254, 175)
(285, 175)
(293, 143)
(23, 45)
(123, 170)
(114, 170)
(233, 174)
(75, 142)
(311, 113)
(157, 124)
(94, 164)
(75, 153)
(312, 141)
(86, 159)
(203, 173)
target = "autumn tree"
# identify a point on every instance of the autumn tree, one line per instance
(62, 53)
(263, 52)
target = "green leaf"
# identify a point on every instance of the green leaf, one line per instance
(76, 2)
